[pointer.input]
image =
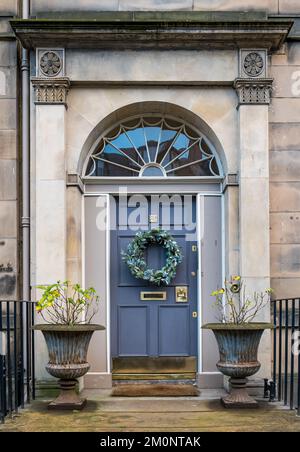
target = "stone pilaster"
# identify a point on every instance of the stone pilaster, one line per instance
(51, 240)
(51, 88)
(254, 99)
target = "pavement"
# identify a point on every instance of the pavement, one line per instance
(104, 413)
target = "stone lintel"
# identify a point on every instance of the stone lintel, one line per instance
(155, 16)
(151, 30)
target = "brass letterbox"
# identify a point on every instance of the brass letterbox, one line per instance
(153, 296)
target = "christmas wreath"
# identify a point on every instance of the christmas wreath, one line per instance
(134, 257)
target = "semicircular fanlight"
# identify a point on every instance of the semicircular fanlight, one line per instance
(153, 147)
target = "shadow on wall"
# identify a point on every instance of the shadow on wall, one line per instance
(7, 285)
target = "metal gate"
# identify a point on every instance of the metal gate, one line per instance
(17, 382)
(285, 386)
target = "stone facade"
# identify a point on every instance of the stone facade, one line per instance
(245, 99)
(284, 174)
(9, 162)
(272, 6)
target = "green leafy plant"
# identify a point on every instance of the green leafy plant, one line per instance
(234, 304)
(64, 303)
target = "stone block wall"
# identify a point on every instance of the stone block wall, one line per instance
(272, 6)
(9, 266)
(285, 171)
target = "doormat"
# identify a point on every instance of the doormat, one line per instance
(155, 390)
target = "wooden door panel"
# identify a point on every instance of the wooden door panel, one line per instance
(174, 330)
(133, 330)
(152, 328)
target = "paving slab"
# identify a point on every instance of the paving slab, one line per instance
(111, 414)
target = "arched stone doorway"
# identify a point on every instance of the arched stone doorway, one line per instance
(153, 161)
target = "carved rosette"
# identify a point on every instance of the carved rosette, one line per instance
(51, 91)
(254, 91)
(253, 64)
(51, 63)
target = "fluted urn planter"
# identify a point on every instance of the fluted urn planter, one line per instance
(238, 348)
(68, 348)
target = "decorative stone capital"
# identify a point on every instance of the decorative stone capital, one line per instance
(230, 180)
(74, 180)
(254, 91)
(51, 90)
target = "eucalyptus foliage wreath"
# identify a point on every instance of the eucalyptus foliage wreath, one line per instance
(134, 257)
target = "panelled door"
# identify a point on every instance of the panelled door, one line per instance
(155, 325)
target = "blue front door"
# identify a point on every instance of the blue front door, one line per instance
(143, 326)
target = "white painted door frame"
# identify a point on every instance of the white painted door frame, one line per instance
(199, 199)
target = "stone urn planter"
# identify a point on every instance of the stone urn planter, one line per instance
(67, 348)
(238, 348)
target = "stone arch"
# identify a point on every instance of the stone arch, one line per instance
(141, 108)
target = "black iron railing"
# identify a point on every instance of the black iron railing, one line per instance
(285, 386)
(17, 367)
